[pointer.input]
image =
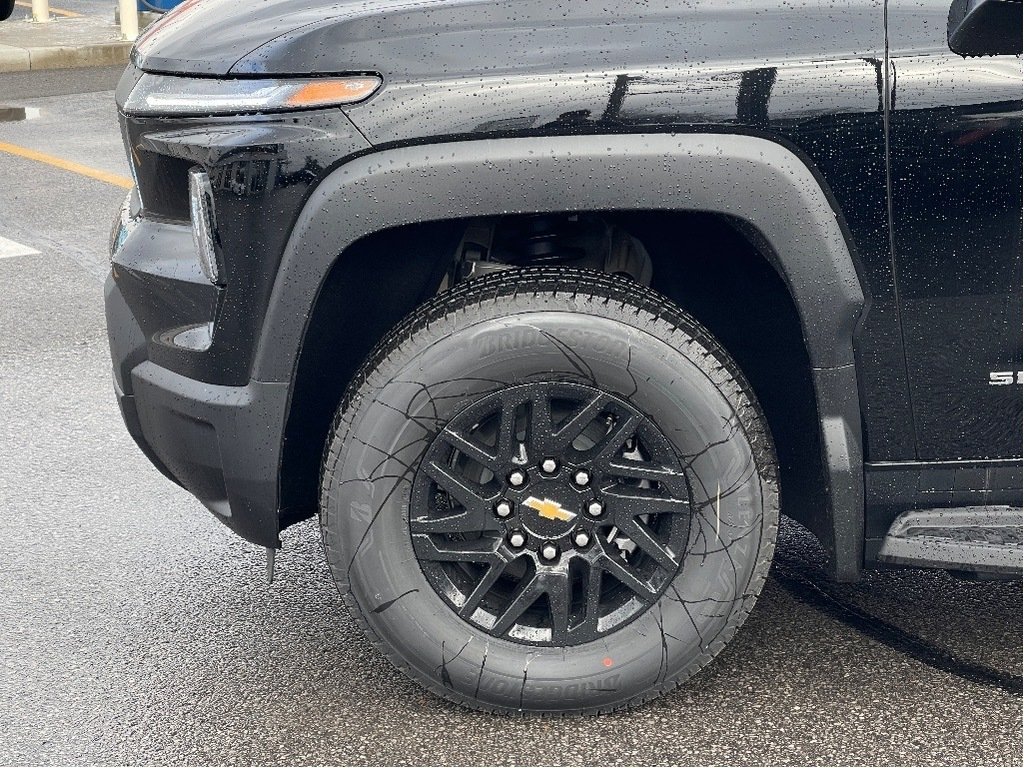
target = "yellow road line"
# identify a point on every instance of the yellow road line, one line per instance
(67, 165)
(57, 11)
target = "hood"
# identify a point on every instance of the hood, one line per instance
(417, 39)
(236, 37)
(209, 37)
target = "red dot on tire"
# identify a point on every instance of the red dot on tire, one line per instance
(607, 661)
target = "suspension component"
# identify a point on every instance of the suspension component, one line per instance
(579, 240)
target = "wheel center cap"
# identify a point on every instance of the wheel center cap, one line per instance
(548, 511)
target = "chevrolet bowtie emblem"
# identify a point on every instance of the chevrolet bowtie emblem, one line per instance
(552, 510)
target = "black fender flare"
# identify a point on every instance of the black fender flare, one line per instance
(761, 183)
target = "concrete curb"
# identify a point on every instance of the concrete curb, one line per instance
(17, 59)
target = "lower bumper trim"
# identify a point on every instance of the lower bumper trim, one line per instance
(220, 443)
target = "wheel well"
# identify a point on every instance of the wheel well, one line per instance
(705, 263)
(374, 283)
(718, 272)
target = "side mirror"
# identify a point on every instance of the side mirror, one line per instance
(985, 27)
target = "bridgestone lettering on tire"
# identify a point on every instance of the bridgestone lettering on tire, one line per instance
(549, 491)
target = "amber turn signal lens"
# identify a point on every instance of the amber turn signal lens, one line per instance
(346, 90)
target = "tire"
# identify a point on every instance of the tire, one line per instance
(524, 342)
(6, 9)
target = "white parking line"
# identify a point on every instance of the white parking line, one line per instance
(9, 249)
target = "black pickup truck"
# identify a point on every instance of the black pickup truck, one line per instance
(549, 309)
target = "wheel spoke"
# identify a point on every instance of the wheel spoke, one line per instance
(540, 433)
(476, 551)
(573, 427)
(640, 535)
(611, 442)
(586, 627)
(625, 503)
(524, 597)
(507, 444)
(471, 449)
(592, 603)
(622, 573)
(466, 521)
(489, 579)
(558, 585)
(646, 470)
(464, 492)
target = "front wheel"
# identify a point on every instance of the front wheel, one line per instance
(549, 491)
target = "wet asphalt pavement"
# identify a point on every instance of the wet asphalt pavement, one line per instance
(134, 628)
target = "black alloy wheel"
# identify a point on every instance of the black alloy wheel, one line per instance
(550, 513)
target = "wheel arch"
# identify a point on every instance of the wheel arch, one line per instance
(776, 198)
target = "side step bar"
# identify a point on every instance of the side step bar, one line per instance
(977, 539)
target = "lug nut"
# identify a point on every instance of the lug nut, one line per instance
(595, 509)
(517, 478)
(503, 508)
(549, 552)
(581, 478)
(516, 539)
(582, 538)
(549, 465)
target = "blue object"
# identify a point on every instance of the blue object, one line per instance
(159, 6)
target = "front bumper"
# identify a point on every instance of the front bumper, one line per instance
(184, 349)
(221, 443)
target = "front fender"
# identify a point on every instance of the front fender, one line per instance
(754, 180)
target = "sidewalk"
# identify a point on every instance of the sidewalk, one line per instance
(84, 37)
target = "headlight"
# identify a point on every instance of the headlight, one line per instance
(170, 95)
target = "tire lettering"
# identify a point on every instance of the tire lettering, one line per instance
(523, 338)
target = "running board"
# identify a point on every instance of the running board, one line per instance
(978, 539)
